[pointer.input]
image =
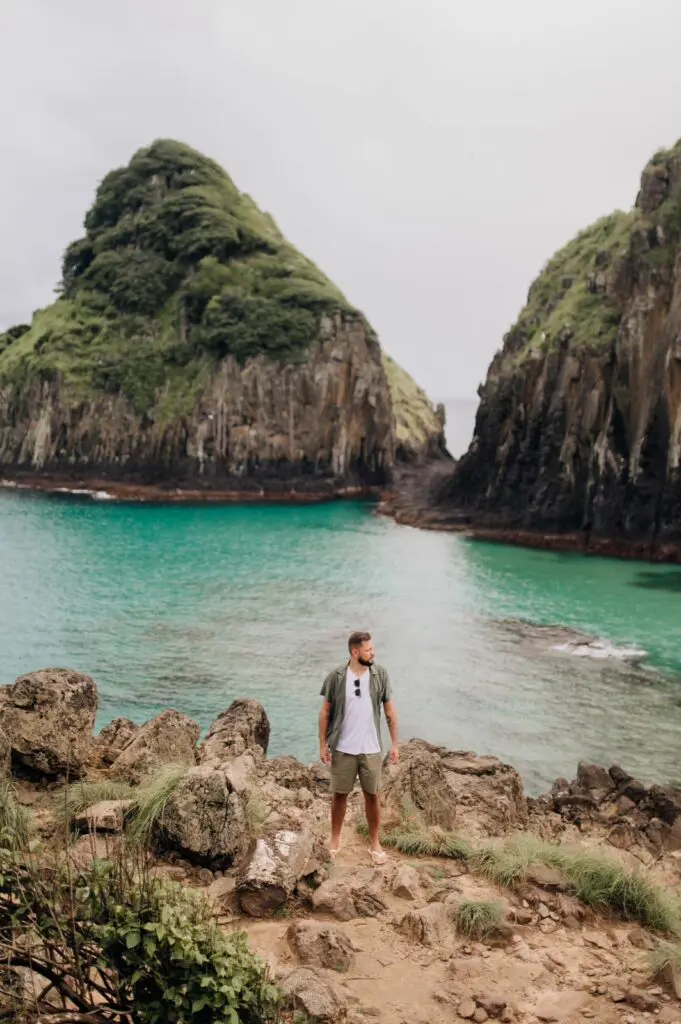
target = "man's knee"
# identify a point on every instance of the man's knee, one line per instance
(371, 799)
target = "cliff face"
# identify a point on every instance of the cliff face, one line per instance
(193, 345)
(419, 425)
(579, 424)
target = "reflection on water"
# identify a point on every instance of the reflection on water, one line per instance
(192, 607)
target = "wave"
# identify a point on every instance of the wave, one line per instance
(602, 650)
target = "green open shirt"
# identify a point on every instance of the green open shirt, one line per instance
(334, 691)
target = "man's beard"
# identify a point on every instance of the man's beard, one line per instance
(367, 662)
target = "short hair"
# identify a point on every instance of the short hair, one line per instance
(357, 639)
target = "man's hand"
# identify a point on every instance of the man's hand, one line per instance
(325, 754)
(394, 755)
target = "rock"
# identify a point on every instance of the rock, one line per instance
(480, 1015)
(240, 773)
(419, 781)
(170, 738)
(243, 727)
(406, 883)
(205, 819)
(5, 754)
(334, 897)
(559, 1005)
(114, 737)
(671, 975)
(320, 945)
(598, 939)
(314, 995)
(429, 926)
(271, 874)
(466, 1009)
(289, 773)
(639, 999)
(105, 816)
(493, 1003)
(546, 877)
(594, 780)
(48, 718)
(222, 890)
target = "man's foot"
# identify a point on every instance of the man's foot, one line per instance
(378, 857)
(334, 850)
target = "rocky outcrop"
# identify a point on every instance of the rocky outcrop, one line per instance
(578, 431)
(243, 727)
(113, 738)
(48, 718)
(193, 346)
(204, 819)
(419, 425)
(453, 788)
(170, 738)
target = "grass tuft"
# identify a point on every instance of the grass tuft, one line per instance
(14, 830)
(477, 918)
(150, 803)
(606, 884)
(84, 794)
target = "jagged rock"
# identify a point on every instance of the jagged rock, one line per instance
(594, 780)
(243, 727)
(429, 926)
(321, 945)
(48, 718)
(240, 772)
(289, 773)
(275, 866)
(114, 737)
(170, 738)
(105, 816)
(5, 753)
(479, 795)
(205, 819)
(314, 995)
(406, 883)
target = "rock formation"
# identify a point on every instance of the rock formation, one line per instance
(578, 431)
(193, 345)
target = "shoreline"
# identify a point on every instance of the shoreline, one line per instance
(101, 489)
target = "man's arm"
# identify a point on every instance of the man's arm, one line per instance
(324, 716)
(391, 719)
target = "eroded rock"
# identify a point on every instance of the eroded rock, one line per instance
(205, 819)
(105, 816)
(321, 945)
(48, 718)
(276, 864)
(243, 727)
(315, 995)
(170, 738)
(114, 737)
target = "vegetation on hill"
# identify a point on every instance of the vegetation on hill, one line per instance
(176, 270)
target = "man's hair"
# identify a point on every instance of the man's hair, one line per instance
(357, 639)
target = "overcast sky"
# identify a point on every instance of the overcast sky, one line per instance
(429, 155)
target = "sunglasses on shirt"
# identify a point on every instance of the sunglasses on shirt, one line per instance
(357, 689)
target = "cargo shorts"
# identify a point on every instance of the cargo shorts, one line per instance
(346, 767)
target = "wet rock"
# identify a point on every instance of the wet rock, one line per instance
(315, 995)
(243, 727)
(48, 718)
(321, 945)
(170, 738)
(105, 816)
(204, 819)
(406, 883)
(275, 866)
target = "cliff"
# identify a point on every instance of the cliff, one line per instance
(578, 431)
(192, 345)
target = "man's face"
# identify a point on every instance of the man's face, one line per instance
(365, 653)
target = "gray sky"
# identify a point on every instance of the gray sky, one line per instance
(429, 155)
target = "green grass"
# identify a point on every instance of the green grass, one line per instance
(477, 918)
(14, 822)
(146, 814)
(81, 795)
(413, 838)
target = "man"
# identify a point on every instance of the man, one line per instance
(350, 736)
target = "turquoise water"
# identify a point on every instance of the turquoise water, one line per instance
(191, 607)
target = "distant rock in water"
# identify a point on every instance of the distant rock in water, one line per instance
(193, 345)
(578, 431)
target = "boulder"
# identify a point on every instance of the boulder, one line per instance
(273, 869)
(105, 816)
(480, 795)
(243, 727)
(314, 995)
(204, 819)
(321, 945)
(334, 897)
(114, 737)
(406, 883)
(48, 718)
(170, 738)
(594, 780)
(429, 926)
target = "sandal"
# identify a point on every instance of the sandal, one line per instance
(378, 857)
(333, 853)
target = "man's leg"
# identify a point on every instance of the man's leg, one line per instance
(372, 806)
(343, 774)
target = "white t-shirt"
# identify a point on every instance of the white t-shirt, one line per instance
(358, 732)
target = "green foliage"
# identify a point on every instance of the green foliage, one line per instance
(562, 299)
(14, 830)
(146, 814)
(477, 918)
(177, 270)
(606, 884)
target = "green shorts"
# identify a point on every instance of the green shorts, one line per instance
(346, 767)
